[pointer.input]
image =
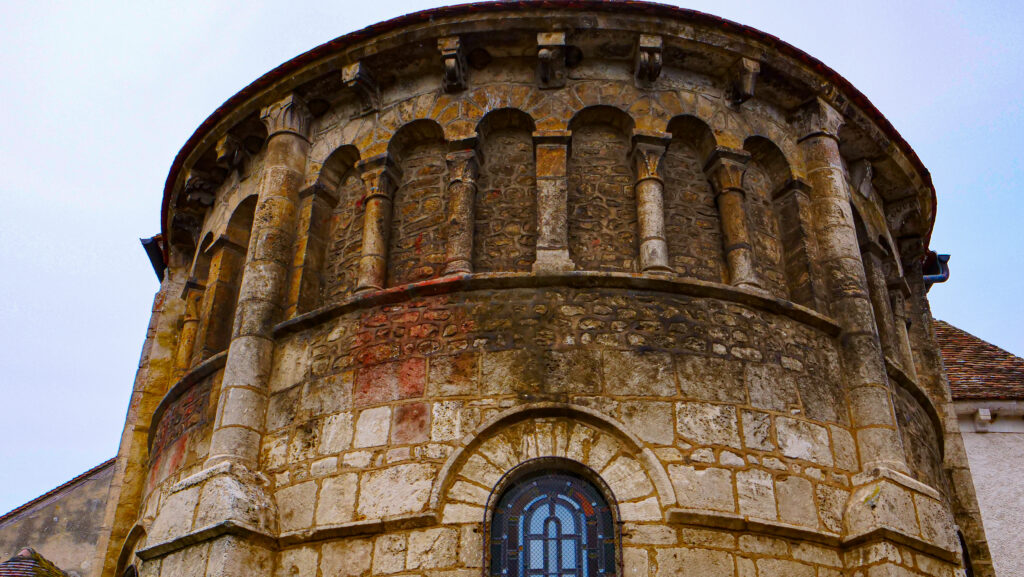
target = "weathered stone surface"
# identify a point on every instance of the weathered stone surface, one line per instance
(796, 501)
(296, 505)
(756, 494)
(650, 421)
(684, 561)
(389, 554)
(372, 427)
(432, 548)
(337, 500)
(803, 440)
(708, 488)
(378, 497)
(347, 557)
(708, 424)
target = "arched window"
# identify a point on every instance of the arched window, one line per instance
(552, 525)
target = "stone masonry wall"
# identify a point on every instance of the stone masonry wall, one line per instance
(346, 239)
(420, 206)
(691, 219)
(506, 208)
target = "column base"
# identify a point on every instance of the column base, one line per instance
(553, 260)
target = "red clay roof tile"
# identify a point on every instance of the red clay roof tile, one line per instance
(978, 369)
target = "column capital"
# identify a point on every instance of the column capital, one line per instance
(795, 185)
(463, 165)
(648, 149)
(287, 115)
(380, 175)
(817, 118)
(725, 168)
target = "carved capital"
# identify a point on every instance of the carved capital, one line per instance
(463, 165)
(231, 154)
(793, 186)
(357, 77)
(648, 150)
(200, 188)
(453, 59)
(648, 58)
(725, 169)
(817, 118)
(380, 176)
(551, 56)
(288, 115)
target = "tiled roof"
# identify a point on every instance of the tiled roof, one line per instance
(977, 369)
(28, 563)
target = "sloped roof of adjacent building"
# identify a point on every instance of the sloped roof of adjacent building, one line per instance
(28, 563)
(978, 369)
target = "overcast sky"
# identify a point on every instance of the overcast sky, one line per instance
(97, 97)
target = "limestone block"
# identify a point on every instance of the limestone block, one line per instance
(709, 488)
(389, 552)
(711, 379)
(291, 365)
(296, 562)
(327, 395)
(803, 440)
(770, 387)
(411, 424)
(730, 459)
(683, 561)
(709, 538)
(454, 375)
(575, 371)
(187, 562)
(232, 556)
(650, 421)
(502, 372)
(471, 551)
(817, 554)
(579, 439)
(635, 534)
(646, 510)
(478, 470)
(372, 427)
(394, 491)
(497, 450)
(237, 498)
(844, 449)
(645, 374)
(627, 479)
(756, 494)
(432, 548)
(337, 500)
(601, 451)
(456, 513)
(831, 503)
(175, 516)
(357, 459)
(346, 558)
(708, 424)
(274, 451)
(323, 467)
(796, 501)
(764, 545)
(336, 435)
(468, 493)
(635, 562)
(937, 525)
(881, 504)
(446, 421)
(783, 568)
(295, 506)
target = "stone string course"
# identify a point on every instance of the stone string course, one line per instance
(746, 421)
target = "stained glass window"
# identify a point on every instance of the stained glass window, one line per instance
(552, 525)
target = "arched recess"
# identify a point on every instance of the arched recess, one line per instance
(135, 540)
(227, 259)
(692, 227)
(339, 178)
(505, 228)
(602, 215)
(632, 472)
(195, 286)
(420, 208)
(771, 226)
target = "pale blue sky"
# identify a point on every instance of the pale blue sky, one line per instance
(97, 97)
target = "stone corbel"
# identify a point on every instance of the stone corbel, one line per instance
(357, 77)
(648, 59)
(551, 57)
(231, 154)
(200, 188)
(454, 60)
(288, 115)
(744, 79)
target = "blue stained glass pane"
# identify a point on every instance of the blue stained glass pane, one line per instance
(555, 518)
